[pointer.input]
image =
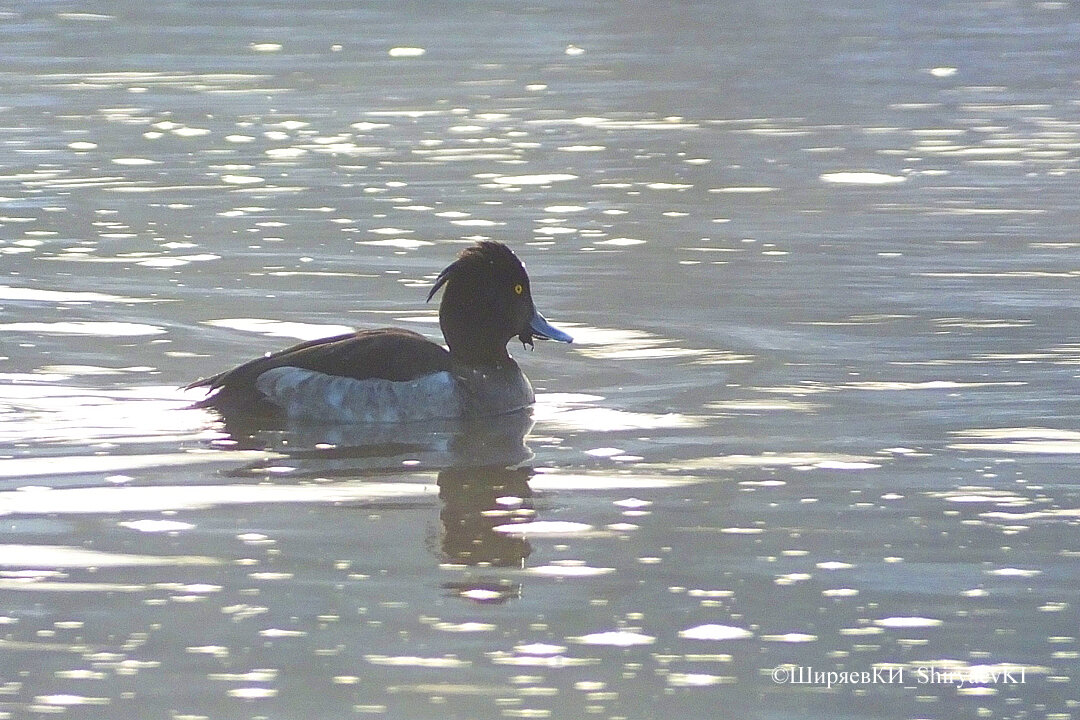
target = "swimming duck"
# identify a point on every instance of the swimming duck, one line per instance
(397, 375)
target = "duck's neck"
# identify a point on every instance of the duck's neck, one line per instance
(478, 355)
(476, 344)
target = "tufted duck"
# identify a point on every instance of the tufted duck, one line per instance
(396, 375)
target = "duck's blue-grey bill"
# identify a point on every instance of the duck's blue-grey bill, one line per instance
(542, 328)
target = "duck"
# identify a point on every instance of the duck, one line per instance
(394, 375)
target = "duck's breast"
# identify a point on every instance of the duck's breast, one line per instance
(490, 391)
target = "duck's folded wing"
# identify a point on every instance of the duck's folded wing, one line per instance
(388, 354)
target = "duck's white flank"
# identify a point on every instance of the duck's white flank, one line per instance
(331, 398)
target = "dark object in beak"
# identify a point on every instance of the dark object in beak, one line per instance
(541, 328)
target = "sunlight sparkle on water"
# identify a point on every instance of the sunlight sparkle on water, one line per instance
(156, 526)
(447, 662)
(163, 497)
(620, 242)
(544, 527)
(617, 638)
(570, 571)
(277, 328)
(75, 465)
(696, 680)
(861, 178)
(399, 243)
(1023, 441)
(908, 622)
(84, 327)
(8, 292)
(533, 179)
(609, 481)
(252, 693)
(540, 649)
(799, 460)
(576, 411)
(69, 700)
(715, 632)
(1014, 572)
(57, 556)
(791, 637)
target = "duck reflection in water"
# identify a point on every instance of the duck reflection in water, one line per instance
(482, 483)
(475, 502)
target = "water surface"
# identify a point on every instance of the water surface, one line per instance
(820, 264)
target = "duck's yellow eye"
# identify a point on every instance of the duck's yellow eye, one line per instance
(518, 289)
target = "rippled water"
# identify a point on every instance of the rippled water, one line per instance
(820, 261)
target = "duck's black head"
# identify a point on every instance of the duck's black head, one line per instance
(486, 302)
